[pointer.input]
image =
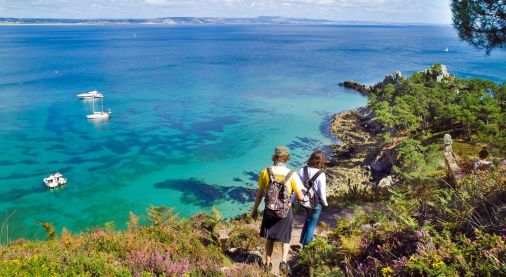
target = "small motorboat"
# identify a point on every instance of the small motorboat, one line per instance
(91, 95)
(55, 180)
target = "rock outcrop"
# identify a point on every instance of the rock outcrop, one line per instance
(362, 89)
(390, 79)
(438, 72)
(455, 173)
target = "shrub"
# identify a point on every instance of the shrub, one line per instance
(156, 262)
(246, 270)
(245, 238)
(417, 161)
(169, 247)
(317, 259)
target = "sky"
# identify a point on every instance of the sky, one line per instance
(401, 11)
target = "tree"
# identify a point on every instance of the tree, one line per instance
(482, 23)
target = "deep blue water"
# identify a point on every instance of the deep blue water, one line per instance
(197, 110)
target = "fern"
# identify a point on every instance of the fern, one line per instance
(49, 228)
(161, 216)
(133, 222)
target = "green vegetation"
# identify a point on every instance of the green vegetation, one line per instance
(167, 246)
(482, 23)
(433, 100)
(428, 227)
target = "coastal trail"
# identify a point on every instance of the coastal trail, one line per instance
(328, 215)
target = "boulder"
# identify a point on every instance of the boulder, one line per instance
(386, 182)
(244, 257)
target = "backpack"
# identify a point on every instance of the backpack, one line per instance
(310, 197)
(277, 199)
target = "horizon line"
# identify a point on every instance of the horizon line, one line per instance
(330, 21)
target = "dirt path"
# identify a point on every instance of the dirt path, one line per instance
(328, 215)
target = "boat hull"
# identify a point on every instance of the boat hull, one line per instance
(90, 95)
(99, 116)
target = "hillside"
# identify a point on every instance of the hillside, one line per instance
(428, 224)
(432, 225)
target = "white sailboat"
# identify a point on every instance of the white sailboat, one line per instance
(101, 114)
(91, 95)
(446, 49)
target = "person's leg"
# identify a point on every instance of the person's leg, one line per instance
(304, 229)
(312, 222)
(285, 249)
(269, 247)
(284, 268)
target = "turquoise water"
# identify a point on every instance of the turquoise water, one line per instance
(197, 110)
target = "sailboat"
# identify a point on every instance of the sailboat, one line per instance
(101, 114)
(446, 49)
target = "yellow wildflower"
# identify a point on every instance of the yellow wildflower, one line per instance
(387, 271)
(438, 265)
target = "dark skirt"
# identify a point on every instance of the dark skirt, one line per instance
(277, 229)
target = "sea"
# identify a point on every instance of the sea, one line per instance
(196, 110)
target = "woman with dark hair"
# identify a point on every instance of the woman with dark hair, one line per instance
(482, 163)
(314, 180)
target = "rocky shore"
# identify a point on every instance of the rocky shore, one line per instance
(360, 159)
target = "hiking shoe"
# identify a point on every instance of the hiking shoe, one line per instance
(284, 269)
(267, 268)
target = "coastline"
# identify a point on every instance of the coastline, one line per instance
(358, 148)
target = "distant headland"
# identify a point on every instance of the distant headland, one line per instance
(186, 21)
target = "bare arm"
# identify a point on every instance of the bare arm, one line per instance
(297, 187)
(261, 190)
(258, 200)
(299, 195)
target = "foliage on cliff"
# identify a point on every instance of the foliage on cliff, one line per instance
(433, 100)
(166, 246)
(482, 23)
(429, 227)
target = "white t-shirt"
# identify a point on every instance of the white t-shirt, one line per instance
(320, 184)
(483, 163)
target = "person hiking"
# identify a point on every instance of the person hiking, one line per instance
(315, 195)
(482, 163)
(276, 185)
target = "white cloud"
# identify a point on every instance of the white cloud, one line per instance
(430, 11)
(159, 2)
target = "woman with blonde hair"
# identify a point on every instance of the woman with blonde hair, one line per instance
(276, 184)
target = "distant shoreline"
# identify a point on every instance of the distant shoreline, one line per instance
(172, 21)
(217, 24)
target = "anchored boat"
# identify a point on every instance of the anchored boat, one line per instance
(101, 114)
(91, 95)
(55, 180)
